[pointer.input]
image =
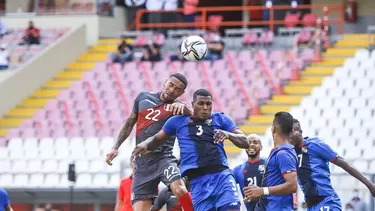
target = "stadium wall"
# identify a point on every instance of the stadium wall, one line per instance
(97, 26)
(18, 84)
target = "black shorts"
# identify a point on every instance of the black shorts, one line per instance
(149, 171)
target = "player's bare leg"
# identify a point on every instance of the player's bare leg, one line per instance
(142, 205)
(180, 191)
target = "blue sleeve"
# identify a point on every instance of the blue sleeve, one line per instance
(236, 173)
(324, 151)
(228, 124)
(4, 198)
(170, 126)
(286, 161)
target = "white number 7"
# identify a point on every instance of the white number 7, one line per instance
(300, 156)
(324, 208)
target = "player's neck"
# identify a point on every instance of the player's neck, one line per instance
(253, 160)
(280, 141)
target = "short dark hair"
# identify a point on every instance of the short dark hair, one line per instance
(285, 121)
(201, 92)
(181, 78)
(295, 121)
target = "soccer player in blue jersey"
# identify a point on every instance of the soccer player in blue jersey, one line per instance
(251, 172)
(203, 158)
(280, 178)
(4, 201)
(314, 156)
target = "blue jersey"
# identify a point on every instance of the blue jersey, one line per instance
(249, 173)
(313, 172)
(199, 154)
(282, 160)
(4, 200)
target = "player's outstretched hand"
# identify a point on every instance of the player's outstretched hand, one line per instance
(175, 108)
(252, 192)
(220, 135)
(139, 150)
(111, 155)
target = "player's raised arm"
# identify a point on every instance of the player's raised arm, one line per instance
(348, 167)
(152, 143)
(237, 137)
(328, 154)
(229, 130)
(125, 131)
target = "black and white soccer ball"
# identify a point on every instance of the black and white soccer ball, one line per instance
(194, 48)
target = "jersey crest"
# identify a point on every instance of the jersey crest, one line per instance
(261, 168)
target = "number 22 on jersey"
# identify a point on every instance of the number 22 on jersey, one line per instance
(153, 114)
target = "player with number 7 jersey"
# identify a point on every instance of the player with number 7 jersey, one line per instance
(150, 112)
(203, 158)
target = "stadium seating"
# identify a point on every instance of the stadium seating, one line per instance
(23, 53)
(81, 120)
(94, 100)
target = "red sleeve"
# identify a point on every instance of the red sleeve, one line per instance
(127, 204)
(120, 195)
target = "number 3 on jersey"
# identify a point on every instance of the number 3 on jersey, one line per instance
(152, 114)
(200, 130)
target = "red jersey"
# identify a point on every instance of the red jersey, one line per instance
(124, 193)
(33, 31)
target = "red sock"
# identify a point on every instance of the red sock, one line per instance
(186, 202)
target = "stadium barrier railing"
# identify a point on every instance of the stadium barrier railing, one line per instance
(66, 113)
(251, 103)
(327, 9)
(146, 73)
(208, 84)
(120, 89)
(275, 86)
(94, 102)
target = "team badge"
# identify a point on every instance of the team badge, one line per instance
(261, 168)
(208, 122)
(132, 196)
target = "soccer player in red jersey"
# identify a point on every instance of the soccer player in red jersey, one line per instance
(124, 193)
(150, 112)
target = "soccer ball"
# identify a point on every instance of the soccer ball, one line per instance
(194, 48)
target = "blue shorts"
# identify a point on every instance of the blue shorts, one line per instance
(330, 203)
(216, 191)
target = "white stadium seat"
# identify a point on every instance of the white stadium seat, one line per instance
(51, 180)
(6, 180)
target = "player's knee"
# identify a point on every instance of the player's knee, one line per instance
(178, 188)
